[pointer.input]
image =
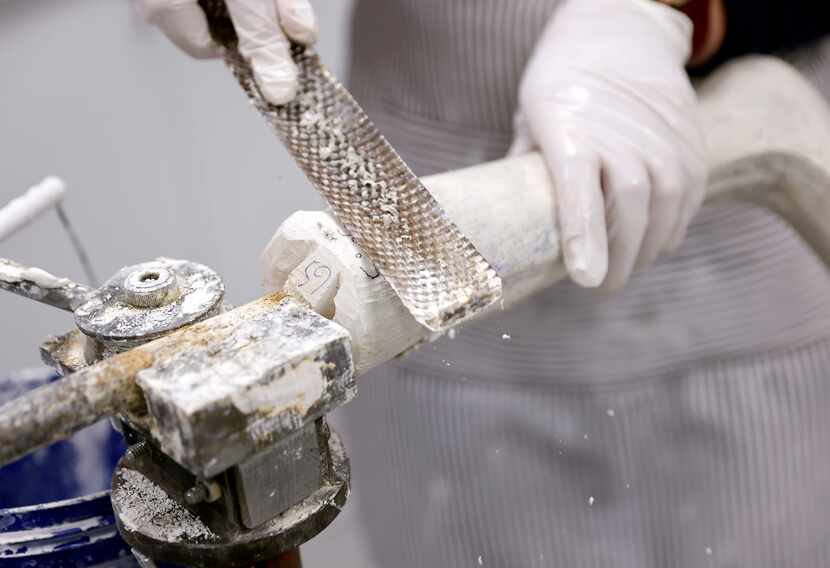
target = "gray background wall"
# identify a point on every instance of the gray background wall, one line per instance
(163, 156)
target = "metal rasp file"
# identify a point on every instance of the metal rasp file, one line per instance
(435, 270)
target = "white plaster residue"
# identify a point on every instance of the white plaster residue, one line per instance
(300, 387)
(197, 299)
(193, 388)
(22, 210)
(237, 366)
(39, 277)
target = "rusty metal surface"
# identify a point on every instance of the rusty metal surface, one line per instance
(290, 559)
(69, 352)
(436, 271)
(58, 410)
(37, 284)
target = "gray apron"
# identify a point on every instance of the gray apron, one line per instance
(679, 423)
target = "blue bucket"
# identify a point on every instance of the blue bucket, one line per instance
(55, 509)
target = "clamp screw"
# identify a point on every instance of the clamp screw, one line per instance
(196, 494)
(137, 450)
(150, 287)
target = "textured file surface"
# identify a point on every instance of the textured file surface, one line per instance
(437, 272)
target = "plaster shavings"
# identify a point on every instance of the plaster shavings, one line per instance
(145, 507)
(362, 176)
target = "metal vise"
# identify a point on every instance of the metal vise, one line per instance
(231, 460)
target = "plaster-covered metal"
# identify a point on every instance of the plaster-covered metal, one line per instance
(175, 293)
(436, 271)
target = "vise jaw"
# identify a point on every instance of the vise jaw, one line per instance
(230, 395)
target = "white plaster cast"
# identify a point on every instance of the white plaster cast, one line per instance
(768, 136)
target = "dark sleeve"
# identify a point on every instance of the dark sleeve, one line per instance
(766, 26)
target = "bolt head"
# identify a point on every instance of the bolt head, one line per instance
(196, 494)
(150, 287)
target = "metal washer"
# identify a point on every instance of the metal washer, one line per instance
(192, 292)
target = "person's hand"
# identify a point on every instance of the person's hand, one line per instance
(606, 99)
(265, 29)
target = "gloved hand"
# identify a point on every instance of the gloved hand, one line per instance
(264, 28)
(606, 99)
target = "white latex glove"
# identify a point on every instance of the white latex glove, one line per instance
(606, 99)
(264, 28)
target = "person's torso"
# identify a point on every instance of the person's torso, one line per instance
(677, 423)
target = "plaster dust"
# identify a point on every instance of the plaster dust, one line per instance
(145, 507)
(39, 277)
